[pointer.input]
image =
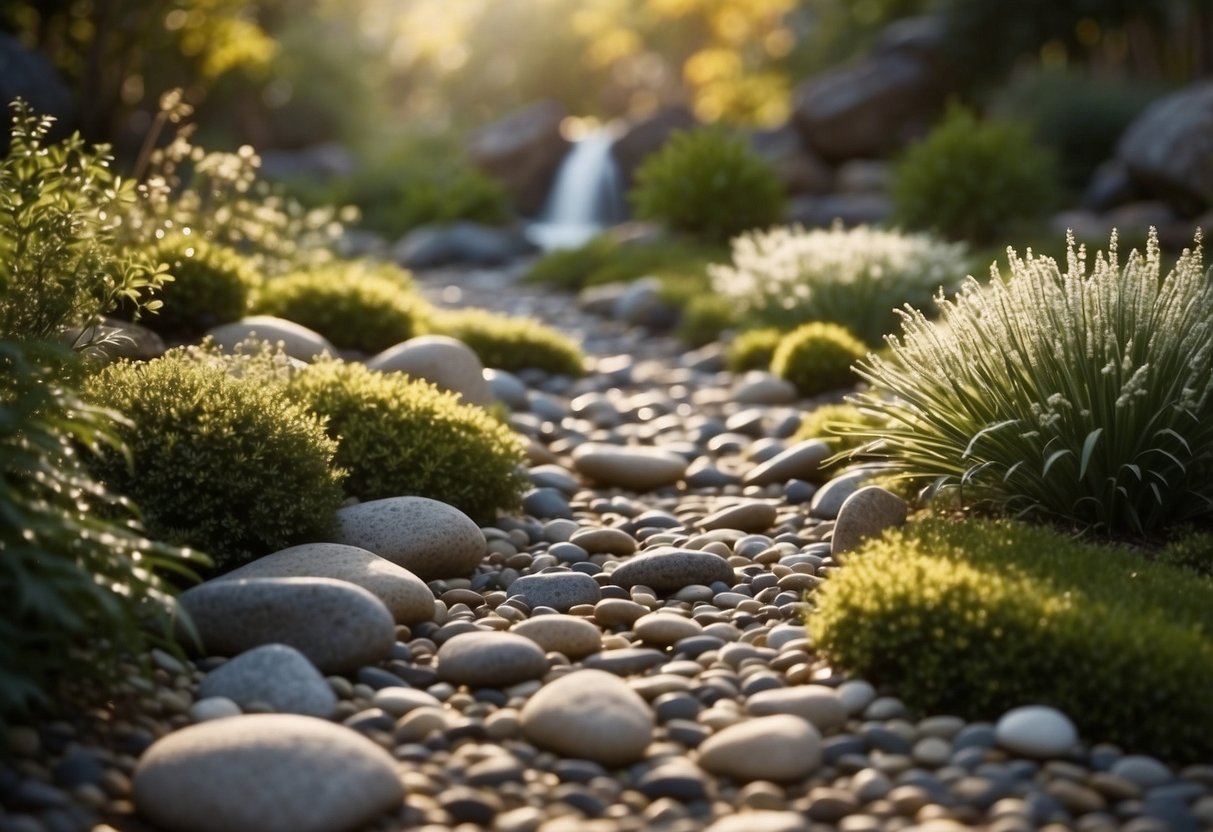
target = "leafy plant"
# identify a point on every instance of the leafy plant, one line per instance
(78, 571)
(818, 357)
(211, 285)
(976, 617)
(1085, 396)
(512, 343)
(398, 436)
(226, 464)
(754, 349)
(968, 179)
(709, 184)
(852, 277)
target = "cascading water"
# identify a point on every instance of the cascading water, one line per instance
(585, 198)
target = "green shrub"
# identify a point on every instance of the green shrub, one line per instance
(705, 318)
(754, 349)
(356, 305)
(852, 277)
(976, 617)
(606, 260)
(399, 436)
(211, 285)
(707, 183)
(817, 358)
(825, 421)
(1190, 549)
(227, 465)
(77, 570)
(1086, 397)
(512, 343)
(969, 179)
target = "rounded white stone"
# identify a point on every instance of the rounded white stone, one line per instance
(1036, 731)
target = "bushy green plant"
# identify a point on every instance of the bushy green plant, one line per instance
(969, 179)
(1190, 549)
(211, 285)
(77, 569)
(754, 349)
(512, 343)
(817, 358)
(228, 465)
(854, 277)
(707, 183)
(705, 318)
(398, 436)
(606, 260)
(976, 617)
(1085, 395)
(356, 305)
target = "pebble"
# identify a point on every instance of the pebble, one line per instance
(589, 714)
(490, 659)
(213, 707)
(669, 570)
(750, 516)
(559, 590)
(638, 468)
(762, 821)
(827, 501)
(297, 340)
(866, 514)
(428, 538)
(445, 362)
(663, 629)
(817, 704)
(604, 540)
(802, 461)
(570, 635)
(779, 748)
(275, 674)
(1036, 731)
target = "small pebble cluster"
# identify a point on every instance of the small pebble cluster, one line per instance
(627, 653)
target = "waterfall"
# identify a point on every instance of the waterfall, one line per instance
(585, 198)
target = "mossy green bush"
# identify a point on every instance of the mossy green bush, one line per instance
(604, 259)
(398, 436)
(705, 318)
(969, 179)
(817, 358)
(357, 305)
(511, 343)
(227, 465)
(707, 183)
(211, 285)
(754, 349)
(975, 617)
(1190, 549)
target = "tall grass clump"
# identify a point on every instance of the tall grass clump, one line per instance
(1084, 396)
(854, 277)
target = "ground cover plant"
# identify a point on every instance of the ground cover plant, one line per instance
(753, 349)
(511, 343)
(211, 285)
(817, 358)
(604, 259)
(1084, 396)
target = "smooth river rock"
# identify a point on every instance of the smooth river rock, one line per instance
(429, 538)
(567, 634)
(559, 590)
(639, 468)
(802, 461)
(275, 674)
(1036, 731)
(779, 748)
(669, 570)
(818, 704)
(297, 340)
(447, 363)
(490, 659)
(865, 514)
(589, 715)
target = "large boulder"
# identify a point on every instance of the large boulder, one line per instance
(523, 152)
(648, 136)
(1168, 149)
(799, 168)
(873, 106)
(29, 75)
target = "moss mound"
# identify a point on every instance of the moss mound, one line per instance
(212, 284)
(977, 617)
(817, 358)
(754, 349)
(512, 343)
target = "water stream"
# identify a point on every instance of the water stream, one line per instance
(586, 196)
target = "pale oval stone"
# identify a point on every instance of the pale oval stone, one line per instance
(559, 590)
(802, 461)
(574, 637)
(404, 594)
(866, 514)
(490, 659)
(750, 516)
(213, 707)
(297, 340)
(276, 674)
(604, 541)
(399, 700)
(265, 773)
(758, 387)
(429, 538)
(779, 748)
(338, 626)
(1036, 731)
(639, 468)
(663, 629)
(669, 570)
(818, 704)
(618, 612)
(445, 362)
(828, 500)
(591, 715)
(762, 821)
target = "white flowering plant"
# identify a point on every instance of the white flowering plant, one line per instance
(855, 277)
(1080, 396)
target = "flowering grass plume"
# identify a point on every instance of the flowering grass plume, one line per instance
(1085, 397)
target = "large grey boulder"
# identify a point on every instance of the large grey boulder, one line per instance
(799, 168)
(1168, 149)
(523, 151)
(648, 136)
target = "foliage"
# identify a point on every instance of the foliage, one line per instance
(1190, 549)
(512, 343)
(398, 436)
(606, 260)
(211, 285)
(754, 349)
(1085, 395)
(705, 317)
(853, 277)
(817, 357)
(968, 179)
(226, 464)
(58, 265)
(357, 305)
(78, 571)
(709, 184)
(824, 422)
(976, 617)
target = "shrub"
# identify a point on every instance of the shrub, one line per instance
(1190, 549)
(817, 358)
(969, 179)
(606, 260)
(76, 566)
(399, 436)
(211, 285)
(705, 317)
(754, 349)
(707, 183)
(824, 422)
(512, 343)
(224, 464)
(976, 617)
(853, 277)
(1086, 397)
(356, 305)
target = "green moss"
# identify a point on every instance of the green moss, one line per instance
(705, 318)
(512, 343)
(817, 358)
(398, 436)
(1190, 550)
(754, 349)
(606, 260)
(976, 617)
(212, 284)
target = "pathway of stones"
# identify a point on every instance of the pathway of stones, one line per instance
(626, 654)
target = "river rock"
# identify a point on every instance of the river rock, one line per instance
(338, 626)
(818, 704)
(265, 773)
(404, 594)
(297, 340)
(763, 388)
(429, 538)
(827, 501)
(802, 461)
(276, 674)
(589, 715)
(490, 659)
(663, 629)
(567, 634)
(461, 242)
(779, 748)
(559, 590)
(865, 514)
(604, 540)
(1168, 149)
(1036, 731)
(523, 151)
(800, 170)
(639, 468)
(648, 136)
(766, 820)
(447, 363)
(750, 516)
(669, 570)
